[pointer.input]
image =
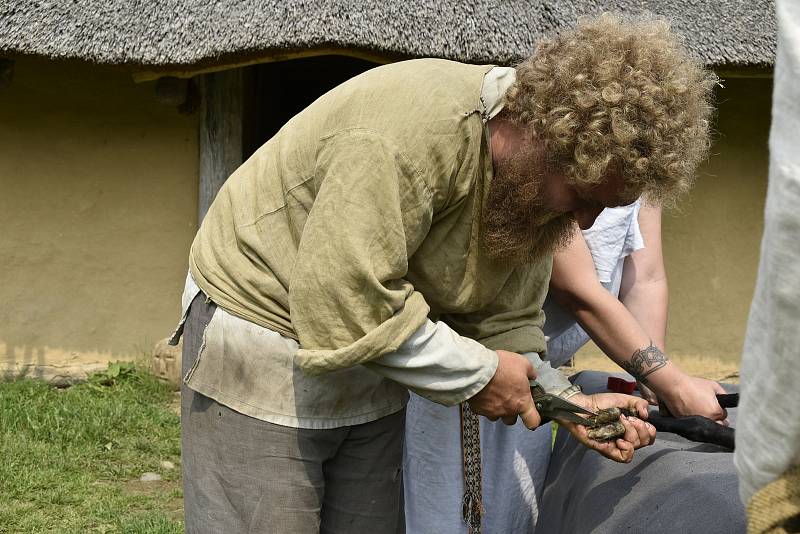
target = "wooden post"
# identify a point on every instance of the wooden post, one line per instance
(220, 133)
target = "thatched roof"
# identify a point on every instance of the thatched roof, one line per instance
(164, 34)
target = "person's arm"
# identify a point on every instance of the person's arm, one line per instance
(449, 362)
(644, 290)
(620, 335)
(645, 293)
(438, 364)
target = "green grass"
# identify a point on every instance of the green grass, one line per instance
(70, 460)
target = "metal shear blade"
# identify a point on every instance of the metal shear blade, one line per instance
(553, 407)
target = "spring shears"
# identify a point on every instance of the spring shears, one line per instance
(552, 407)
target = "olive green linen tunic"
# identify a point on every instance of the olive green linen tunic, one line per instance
(361, 218)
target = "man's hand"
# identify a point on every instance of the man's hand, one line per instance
(638, 433)
(689, 395)
(508, 393)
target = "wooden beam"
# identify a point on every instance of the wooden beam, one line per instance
(220, 133)
(270, 57)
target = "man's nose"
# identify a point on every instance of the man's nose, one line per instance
(586, 216)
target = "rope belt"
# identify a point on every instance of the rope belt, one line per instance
(471, 505)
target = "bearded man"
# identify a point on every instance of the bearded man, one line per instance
(397, 235)
(611, 109)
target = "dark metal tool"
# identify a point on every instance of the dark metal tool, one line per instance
(551, 407)
(696, 427)
(728, 400)
(725, 400)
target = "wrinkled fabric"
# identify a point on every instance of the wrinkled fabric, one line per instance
(768, 436)
(438, 364)
(513, 458)
(251, 370)
(614, 236)
(493, 90)
(241, 474)
(673, 485)
(434, 361)
(514, 464)
(396, 166)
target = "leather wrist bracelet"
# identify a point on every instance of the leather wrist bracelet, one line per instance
(570, 391)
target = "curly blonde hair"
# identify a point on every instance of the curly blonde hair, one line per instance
(616, 95)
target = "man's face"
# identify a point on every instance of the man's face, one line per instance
(532, 209)
(584, 205)
(519, 222)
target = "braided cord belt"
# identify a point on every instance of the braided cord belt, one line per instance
(471, 505)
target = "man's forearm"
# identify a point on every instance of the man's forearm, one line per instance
(438, 364)
(620, 335)
(647, 302)
(644, 362)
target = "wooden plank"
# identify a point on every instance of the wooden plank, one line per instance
(273, 57)
(220, 133)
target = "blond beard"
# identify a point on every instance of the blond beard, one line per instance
(517, 227)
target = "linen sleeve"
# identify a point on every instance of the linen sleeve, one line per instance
(439, 365)
(443, 367)
(767, 426)
(348, 299)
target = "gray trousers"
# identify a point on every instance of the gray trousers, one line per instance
(241, 474)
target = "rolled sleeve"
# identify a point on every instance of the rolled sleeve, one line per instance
(438, 364)
(349, 300)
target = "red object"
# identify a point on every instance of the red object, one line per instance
(620, 385)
